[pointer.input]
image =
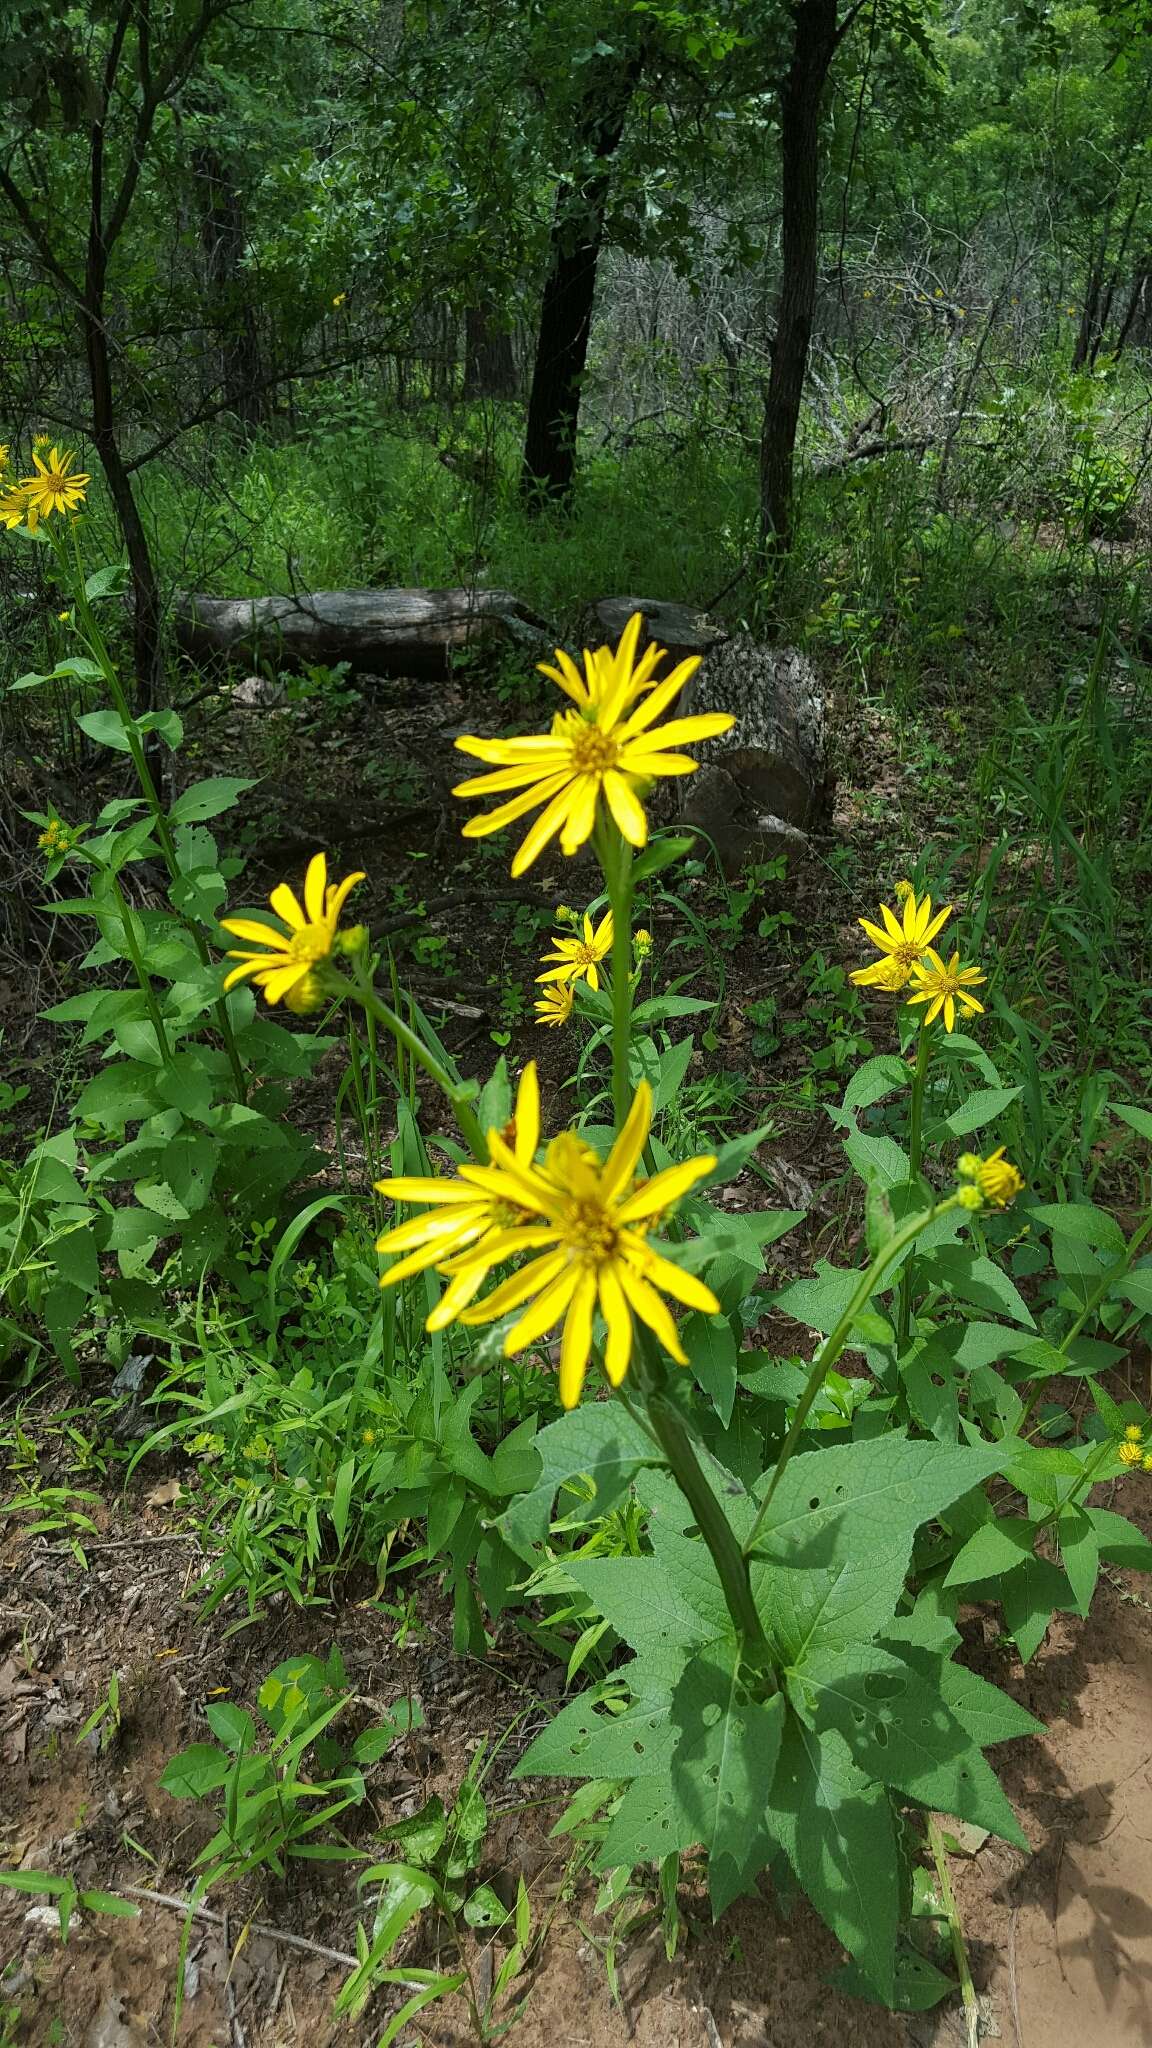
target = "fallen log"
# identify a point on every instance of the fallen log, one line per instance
(377, 632)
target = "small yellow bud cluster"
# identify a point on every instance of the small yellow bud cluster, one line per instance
(55, 839)
(307, 996)
(566, 915)
(969, 1196)
(995, 1180)
(1132, 1451)
(642, 943)
(353, 940)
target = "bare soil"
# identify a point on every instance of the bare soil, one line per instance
(1060, 1942)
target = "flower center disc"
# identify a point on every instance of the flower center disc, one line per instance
(589, 1231)
(593, 751)
(312, 944)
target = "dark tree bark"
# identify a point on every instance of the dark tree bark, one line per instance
(489, 365)
(569, 294)
(815, 36)
(222, 238)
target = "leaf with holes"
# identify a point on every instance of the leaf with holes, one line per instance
(867, 1497)
(584, 1740)
(900, 1731)
(836, 1831)
(649, 1823)
(850, 1599)
(638, 1598)
(722, 1769)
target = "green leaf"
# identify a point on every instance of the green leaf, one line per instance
(110, 1903)
(584, 1740)
(119, 1095)
(1139, 1119)
(964, 1271)
(484, 1908)
(107, 728)
(231, 1725)
(723, 1766)
(638, 1598)
(660, 854)
(987, 1714)
(876, 1078)
(982, 1107)
(855, 1499)
(850, 1599)
(209, 798)
(1029, 1598)
(1000, 1546)
(649, 1823)
(1120, 1542)
(821, 1302)
(713, 1359)
(1082, 1222)
(200, 1769)
(836, 1831)
(1080, 1554)
(420, 1838)
(598, 1441)
(899, 1730)
(342, 1498)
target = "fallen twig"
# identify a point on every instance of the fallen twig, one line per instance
(177, 1905)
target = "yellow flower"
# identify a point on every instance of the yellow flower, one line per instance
(40, 441)
(1147, 1461)
(50, 836)
(901, 940)
(54, 488)
(943, 987)
(902, 891)
(13, 506)
(462, 1212)
(996, 1179)
(1130, 1454)
(579, 958)
(600, 753)
(340, 298)
(566, 915)
(64, 617)
(290, 957)
(1134, 1434)
(642, 943)
(592, 1249)
(555, 1005)
(3, 456)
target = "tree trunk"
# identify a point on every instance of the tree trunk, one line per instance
(489, 365)
(569, 295)
(377, 632)
(813, 47)
(231, 311)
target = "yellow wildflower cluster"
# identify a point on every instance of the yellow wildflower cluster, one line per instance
(54, 486)
(586, 1222)
(578, 959)
(904, 943)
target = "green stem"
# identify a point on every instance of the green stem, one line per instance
(457, 1092)
(915, 1155)
(616, 861)
(955, 1930)
(94, 641)
(834, 1343)
(142, 974)
(1115, 1272)
(671, 1434)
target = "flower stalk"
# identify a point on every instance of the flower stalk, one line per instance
(915, 1160)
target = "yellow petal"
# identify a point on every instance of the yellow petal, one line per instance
(261, 934)
(284, 903)
(680, 1285)
(659, 699)
(506, 814)
(651, 1310)
(618, 1322)
(626, 809)
(338, 896)
(576, 1343)
(456, 1296)
(547, 1309)
(581, 817)
(239, 974)
(664, 1188)
(545, 828)
(682, 732)
(527, 1115)
(518, 1288)
(277, 982)
(621, 1162)
(883, 940)
(504, 778)
(316, 888)
(411, 1187)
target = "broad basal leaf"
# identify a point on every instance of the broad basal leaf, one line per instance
(836, 1831)
(899, 1730)
(586, 1741)
(598, 1441)
(727, 1742)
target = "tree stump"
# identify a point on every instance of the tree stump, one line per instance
(378, 632)
(678, 627)
(764, 786)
